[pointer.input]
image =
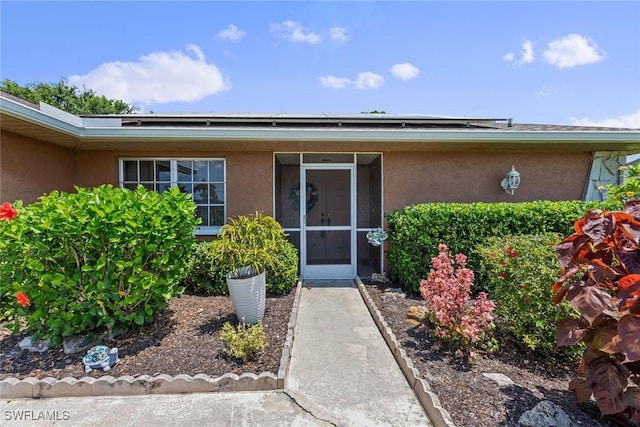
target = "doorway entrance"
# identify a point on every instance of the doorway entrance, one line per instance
(327, 202)
(328, 232)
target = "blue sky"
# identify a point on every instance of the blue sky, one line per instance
(563, 62)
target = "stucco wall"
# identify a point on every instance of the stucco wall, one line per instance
(419, 177)
(249, 174)
(30, 168)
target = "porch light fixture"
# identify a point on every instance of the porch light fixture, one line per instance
(511, 181)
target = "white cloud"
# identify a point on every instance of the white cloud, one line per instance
(526, 55)
(156, 78)
(405, 71)
(573, 50)
(335, 82)
(338, 34)
(365, 80)
(369, 80)
(294, 31)
(527, 52)
(625, 121)
(231, 33)
(544, 91)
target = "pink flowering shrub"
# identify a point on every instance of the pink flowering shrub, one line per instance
(457, 319)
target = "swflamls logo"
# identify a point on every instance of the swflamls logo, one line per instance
(26, 415)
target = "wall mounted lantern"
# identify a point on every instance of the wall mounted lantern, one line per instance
(511, 181)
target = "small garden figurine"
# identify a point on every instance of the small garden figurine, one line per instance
(100, 357)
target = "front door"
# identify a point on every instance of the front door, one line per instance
(328, 218)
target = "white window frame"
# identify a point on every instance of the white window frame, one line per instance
(173, 168)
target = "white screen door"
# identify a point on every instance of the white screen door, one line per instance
(328, 222)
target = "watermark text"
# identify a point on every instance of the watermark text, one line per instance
(28, 415)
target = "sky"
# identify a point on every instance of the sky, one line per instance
(561, 62)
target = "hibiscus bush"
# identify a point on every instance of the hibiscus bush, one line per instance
(8, 212)
(457, 319)
(601, 279)
(518, 271)
(99, 259)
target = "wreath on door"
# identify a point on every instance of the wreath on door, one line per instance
(312, 196)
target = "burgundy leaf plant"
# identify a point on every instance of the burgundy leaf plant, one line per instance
(601, 279)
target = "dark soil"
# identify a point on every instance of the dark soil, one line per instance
(470, 398)
(185, 339)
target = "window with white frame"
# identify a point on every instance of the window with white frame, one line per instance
(204, 179)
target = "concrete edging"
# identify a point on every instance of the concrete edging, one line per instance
(13, 388)
(427, 398)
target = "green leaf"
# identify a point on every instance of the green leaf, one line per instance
(139, 319)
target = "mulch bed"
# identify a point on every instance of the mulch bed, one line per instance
(470, 398)
(185, 339)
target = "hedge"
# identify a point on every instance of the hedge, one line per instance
(416, 231)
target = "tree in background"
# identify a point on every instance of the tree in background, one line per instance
(66, 97)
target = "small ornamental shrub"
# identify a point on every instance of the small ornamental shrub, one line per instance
(518, 271)
(601, 279)
(629, 189)
(101, 258)
(245, 342)
(257, 241)
(456, 318)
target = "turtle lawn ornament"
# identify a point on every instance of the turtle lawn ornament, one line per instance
(100, 357)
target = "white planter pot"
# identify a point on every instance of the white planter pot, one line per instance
(248, 297)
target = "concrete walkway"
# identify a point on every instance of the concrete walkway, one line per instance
(341, 373)
(341, 363)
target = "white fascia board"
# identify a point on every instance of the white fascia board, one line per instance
(99, 122)
(57, 113)
(407, 135)
(54, 118)
(29, 114)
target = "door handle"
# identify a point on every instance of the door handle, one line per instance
(322, 219)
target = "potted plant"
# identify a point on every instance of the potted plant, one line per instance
(245, 248)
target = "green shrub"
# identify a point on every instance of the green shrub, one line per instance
(629, 189)
(203, 276)
(8, 306)
(245, 342)
(416, 231)
(256, 241)
(518, 271)
(98, 258)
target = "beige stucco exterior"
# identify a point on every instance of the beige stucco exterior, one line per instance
(419, 177)
(31, 168)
